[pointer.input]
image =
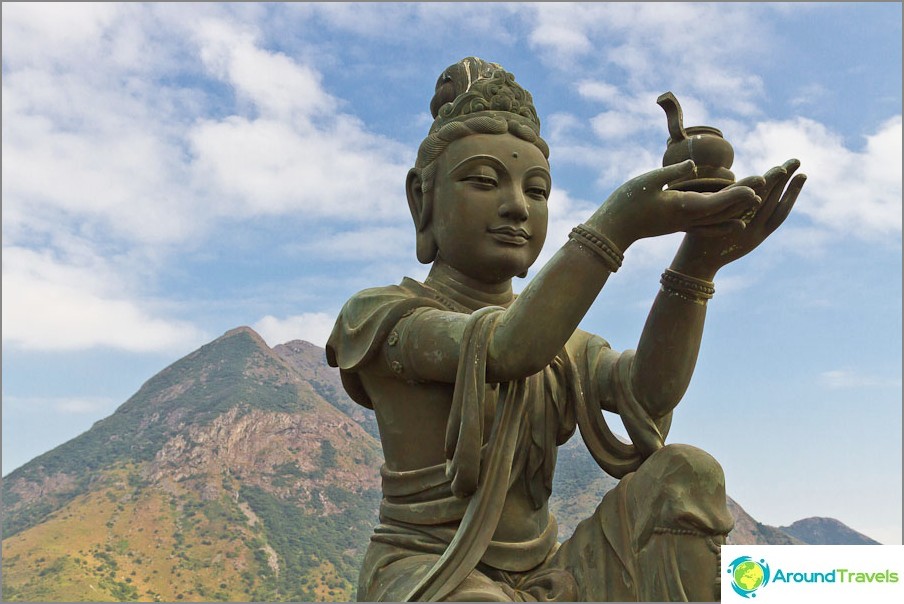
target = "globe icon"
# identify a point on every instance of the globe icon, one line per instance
(748, 575)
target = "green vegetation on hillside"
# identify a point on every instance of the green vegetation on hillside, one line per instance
(304, 540)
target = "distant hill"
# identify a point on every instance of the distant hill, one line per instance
(826, 531)
(748, 531)
(238, 473)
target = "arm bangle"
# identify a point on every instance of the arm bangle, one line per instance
(687, 288)
(599, 244)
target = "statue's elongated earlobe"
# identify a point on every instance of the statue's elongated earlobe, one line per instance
(421, 206)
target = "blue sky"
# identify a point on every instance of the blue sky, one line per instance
(172, 171)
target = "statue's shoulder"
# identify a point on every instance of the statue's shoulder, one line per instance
(387, 294)
(367, 318)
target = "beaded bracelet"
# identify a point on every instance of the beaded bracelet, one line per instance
(599, 244)
(687, 288)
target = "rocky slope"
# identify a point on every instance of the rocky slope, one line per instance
(309, 361)
(748, 531)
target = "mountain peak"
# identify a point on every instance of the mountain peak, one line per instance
(826, 531)
(246, 331)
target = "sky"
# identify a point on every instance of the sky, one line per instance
(172, 171)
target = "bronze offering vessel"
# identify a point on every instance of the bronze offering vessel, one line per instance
(712, 154)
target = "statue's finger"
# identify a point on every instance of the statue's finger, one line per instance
(668, 174)
(754, 182)
(775, 183)
(791, 165)
(788, 200)
(781, 179)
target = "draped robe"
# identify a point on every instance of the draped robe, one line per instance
(436, 540)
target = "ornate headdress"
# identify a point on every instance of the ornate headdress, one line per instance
(473, 87)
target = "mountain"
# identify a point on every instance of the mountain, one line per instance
(748, 531)
(225, 477)
(826, 531)
(238, 473)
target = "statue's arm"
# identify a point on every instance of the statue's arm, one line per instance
(536, 326)
(670, 341)
(667, 351)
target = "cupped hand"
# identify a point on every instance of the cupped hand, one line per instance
(708, 248)
(641, 208)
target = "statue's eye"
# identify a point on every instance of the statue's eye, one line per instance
(537, 188)
(538, 192)
(481, 180)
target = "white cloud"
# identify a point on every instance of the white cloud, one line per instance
(388, 20)
(561, 29)
(564, 38)
(98, 138)
(276, 85)
(649, 43)
(73, 27)
(117, 176)
(262, 167)
(293, 151)
(312, 327)
(598, 91)
(361, 245)
(853, 192)
(109, 172)
(616, 124)
(49, 305)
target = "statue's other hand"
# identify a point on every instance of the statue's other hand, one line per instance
(712, 247)
(641, 208)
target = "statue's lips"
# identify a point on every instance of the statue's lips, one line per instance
(510, 235)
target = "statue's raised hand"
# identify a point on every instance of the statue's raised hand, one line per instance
(642, 208)
(706, 249)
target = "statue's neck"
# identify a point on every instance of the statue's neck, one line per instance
(467, 291)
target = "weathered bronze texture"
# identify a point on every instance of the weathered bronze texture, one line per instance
(474, 388)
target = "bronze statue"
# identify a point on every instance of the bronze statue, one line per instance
(474, 387)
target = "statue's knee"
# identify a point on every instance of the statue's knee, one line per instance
(687, 465)
(681, 487)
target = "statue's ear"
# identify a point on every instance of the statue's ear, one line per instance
(421, 206)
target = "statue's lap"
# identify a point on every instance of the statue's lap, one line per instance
(672, 507)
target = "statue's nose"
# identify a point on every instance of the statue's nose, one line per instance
(514, 205)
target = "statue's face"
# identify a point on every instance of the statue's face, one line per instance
(489, 205)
